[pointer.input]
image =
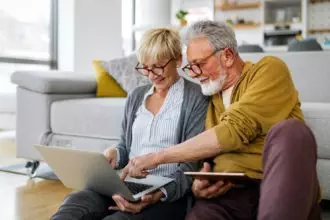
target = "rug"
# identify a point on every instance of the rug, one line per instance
(9, 162)
(43, 171)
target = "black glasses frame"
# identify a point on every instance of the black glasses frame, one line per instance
(141, 69)
(196, 68)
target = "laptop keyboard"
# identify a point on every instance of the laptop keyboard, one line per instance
(136, 188)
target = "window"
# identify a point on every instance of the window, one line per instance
(27, 35)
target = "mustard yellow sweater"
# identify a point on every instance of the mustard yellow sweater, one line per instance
(263, 96)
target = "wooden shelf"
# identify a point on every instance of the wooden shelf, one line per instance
(318, 1)
(245, 26)
(238, 6)
(283, 23)
(320, 30)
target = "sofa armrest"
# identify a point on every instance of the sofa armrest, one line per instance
(33, 124)
(55, 82)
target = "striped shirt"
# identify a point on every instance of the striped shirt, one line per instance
(152, 133)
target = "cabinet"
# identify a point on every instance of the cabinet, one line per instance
(245, 16)
(268, 23)
(318, 25)
(242, 15)
(225, 6)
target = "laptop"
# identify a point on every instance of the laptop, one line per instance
(80, 170)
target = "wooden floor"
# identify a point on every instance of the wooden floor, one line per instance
(22, 198)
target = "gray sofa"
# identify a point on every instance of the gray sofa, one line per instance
(60, 108)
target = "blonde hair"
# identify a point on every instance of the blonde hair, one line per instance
(159, 44)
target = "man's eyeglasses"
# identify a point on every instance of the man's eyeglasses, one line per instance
(196, 68)
(157, 70)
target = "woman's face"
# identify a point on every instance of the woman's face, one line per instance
(163, 74)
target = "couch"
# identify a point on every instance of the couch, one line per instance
(60, 108)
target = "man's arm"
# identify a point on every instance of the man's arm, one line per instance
(269, 98)
(199, 147)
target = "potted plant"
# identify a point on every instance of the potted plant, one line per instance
(180, 15)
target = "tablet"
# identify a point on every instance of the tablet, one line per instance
(218, 176)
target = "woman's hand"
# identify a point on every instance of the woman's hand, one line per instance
(111, 155)
(126, 206)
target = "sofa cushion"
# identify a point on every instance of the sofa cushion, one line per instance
(123, 71)
(317, 116)
(101, 118)
(106, 84)
(55, 82)
(93, 117)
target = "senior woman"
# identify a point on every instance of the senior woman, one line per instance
(168, 112)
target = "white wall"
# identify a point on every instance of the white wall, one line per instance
(88, 30)
(152, 12)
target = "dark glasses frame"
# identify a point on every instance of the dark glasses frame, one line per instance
(196, 68)
(146, 71)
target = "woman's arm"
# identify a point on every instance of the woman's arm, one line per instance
(122, 154)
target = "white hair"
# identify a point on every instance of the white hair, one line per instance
(219, 34)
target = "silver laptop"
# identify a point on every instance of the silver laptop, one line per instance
(90, 170)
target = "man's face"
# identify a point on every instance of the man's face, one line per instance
(213, 72)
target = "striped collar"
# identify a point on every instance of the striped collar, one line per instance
(174, 88)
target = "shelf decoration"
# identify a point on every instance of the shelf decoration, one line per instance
(226, 6)
(181, 16)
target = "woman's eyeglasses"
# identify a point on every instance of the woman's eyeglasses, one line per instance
(157, 70)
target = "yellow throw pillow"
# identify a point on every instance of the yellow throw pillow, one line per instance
(106, 84)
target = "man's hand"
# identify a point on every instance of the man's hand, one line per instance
(111, 155)
(203, 189)
(139, 166)
(125, 206)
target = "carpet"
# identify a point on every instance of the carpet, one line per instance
(9, 162)
(43, 171)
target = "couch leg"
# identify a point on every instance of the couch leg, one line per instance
(32, 166)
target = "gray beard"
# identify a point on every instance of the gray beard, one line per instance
(213, 86)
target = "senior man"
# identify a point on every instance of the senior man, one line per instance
(254, 125)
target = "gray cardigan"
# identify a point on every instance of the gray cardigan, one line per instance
(191, 123)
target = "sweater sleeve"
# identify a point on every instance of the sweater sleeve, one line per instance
(122, 154)
(194, 125)
(269, 97)
(133, 101)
